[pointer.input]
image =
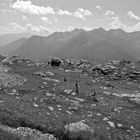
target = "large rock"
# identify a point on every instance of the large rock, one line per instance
(25, 133)
(77, 127)
(34, 134)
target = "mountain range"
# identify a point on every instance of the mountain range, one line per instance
(97, 45)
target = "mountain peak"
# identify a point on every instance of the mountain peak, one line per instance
(78, 30)
(117, 30)
(101, 30)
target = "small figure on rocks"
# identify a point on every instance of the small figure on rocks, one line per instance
(76, 86)
(65, 79)
(92, 94)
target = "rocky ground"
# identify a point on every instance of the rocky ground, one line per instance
(43, 98)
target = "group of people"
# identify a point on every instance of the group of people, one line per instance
(92, 93)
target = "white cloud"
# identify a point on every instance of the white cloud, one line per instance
(46, 20)
(87, 28)
(28, 7)
(17, 27)
(116, 23)
(4, 30)
(135, 27)
(79, 13)
(109, 13)
(24, 17)
(56, 20)
(71, 28)
(44, 29)
(64, 12)
(36, 29)
(9, 11)
(98, 7)
(30, 27)
(84, 12)
(133, 16)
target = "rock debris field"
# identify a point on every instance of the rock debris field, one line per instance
(41, 101)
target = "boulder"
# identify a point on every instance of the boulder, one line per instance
(77, 127)
(25, 133)
(55, 62)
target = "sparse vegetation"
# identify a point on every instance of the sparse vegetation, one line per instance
(47, 103)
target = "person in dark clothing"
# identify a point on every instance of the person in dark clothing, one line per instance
(76, 86)
(65, 78)
(92, 94)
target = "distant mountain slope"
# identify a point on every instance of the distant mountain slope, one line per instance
(8, 38)
(96, 45)
(12, 46)
(34, 48)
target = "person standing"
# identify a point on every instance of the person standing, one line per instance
(65, 79)
(76, 87)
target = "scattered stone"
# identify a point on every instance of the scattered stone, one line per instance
(68, 112)
(104, 87)
(12, 93)
(120, 108)
(50, 108)
(107, 93)
(93, 105)
(58, 105)
(67, 70)
(119, 125)
(117, 110)
(68, 91)
(73, 93)
(115, 94)
(49, 94)
(73, 108)
(45, 83)
(93, 81)
(98, 114)
(90, 115)
(53, 80)
(137, 100)
(127, 95)
(111, 124)
(60, 109)
(105, 119)
(35, 105)
(79, 99)
(49, 73)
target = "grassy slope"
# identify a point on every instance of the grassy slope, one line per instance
(19, 110)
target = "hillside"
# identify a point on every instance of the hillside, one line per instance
(12, 46)
(8, 38)
(40, 100)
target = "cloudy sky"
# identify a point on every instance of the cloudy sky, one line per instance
(46, 16)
